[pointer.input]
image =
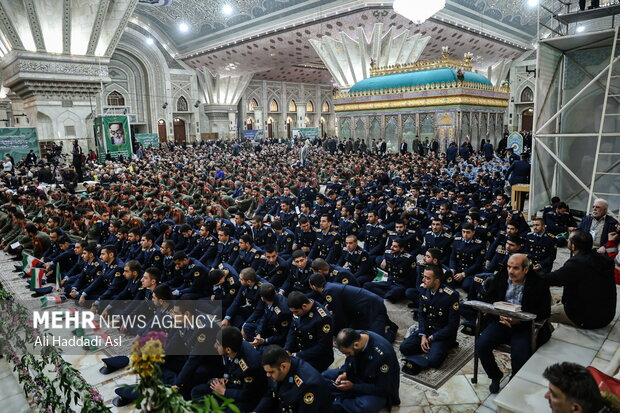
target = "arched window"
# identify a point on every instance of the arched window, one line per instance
(527, 95)
(325, 107)
(252, 105)
(182, 104)
(310, 106)
(292, 106)
(273, 106)
(116, 99)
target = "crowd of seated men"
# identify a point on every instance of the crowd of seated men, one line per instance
(301, 258)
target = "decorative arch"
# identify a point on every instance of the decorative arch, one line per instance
(326, 107)
(292, 106)
(527, 95)
(115, 98)
(274, 106)
(182, 105)
(310, 106)
(252, 105)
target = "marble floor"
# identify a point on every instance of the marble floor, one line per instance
(458, 394)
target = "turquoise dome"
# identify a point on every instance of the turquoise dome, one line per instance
(415, 79)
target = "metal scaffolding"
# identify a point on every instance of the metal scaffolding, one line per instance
(576, 144)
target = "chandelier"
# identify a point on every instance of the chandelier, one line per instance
(418, 11)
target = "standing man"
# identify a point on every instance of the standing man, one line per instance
(77, 159)
(369, 379)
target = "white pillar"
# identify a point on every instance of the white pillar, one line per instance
(301, 115)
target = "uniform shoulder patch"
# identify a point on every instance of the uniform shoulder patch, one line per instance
(298, 381)
(242, 365)
(448, 290)
(321, 312)
(277, 310)
(458, 238)
(477, 241)
(231, 280)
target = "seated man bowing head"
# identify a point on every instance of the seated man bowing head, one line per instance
(369, 379)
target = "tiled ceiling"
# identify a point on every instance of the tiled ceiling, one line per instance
(288, 56)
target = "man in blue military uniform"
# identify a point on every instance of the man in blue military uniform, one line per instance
(310, 336)
(347, 225)
(194, 276)
(273, 268)
(205, 250)
(328, 244)
(305, 235)
(299, 274)
(334, 273)
(287, 217)
(261, 235)
(132, 272)
(244, 380)
(519, 171)
(354, 306)
(225, 286)
(437, 237)
(409, 235)
(150, 256)
(513, 245)
(295, 385)
(541, 247)
(106, 285)
(356, 259)
(467, 257)
(270, 321)
(429, 344)
(249, 255)
(284, 240)
(240, 226)
(369, 380)
(374, 236)
(245, 301)
(227, 248)
(400, 267)
(559, 220)
(93, 268)
(500, 241)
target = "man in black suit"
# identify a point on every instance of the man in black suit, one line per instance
(403, 148)
(589, 296)
(522, 286)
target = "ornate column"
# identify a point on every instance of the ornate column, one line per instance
(222, 95)
(301, 115)
(55, 57)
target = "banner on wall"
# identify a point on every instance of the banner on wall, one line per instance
(515, 141)
(148, 140)
(254, 135)
(114, 133)
(306, 133)
(18, 142)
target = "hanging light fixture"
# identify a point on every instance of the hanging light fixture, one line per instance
(418, 11)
